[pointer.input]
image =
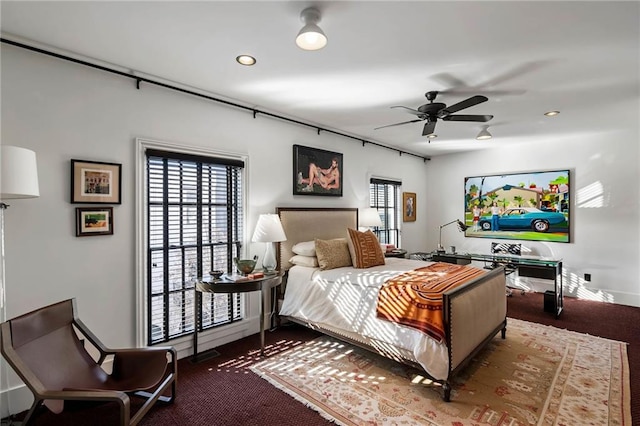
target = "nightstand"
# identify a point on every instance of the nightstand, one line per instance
(396, 253)
(266, 283)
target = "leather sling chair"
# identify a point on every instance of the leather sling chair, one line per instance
(44, 349)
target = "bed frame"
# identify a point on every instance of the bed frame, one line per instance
(473, 313)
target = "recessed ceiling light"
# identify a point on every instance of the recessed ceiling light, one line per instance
(432, 136)
(551, 113)
(247, 60)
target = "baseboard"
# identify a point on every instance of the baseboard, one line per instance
(19, 399)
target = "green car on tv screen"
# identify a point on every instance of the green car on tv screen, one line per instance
(531, 206)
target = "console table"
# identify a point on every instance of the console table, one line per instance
(210, 285)
(528, 266)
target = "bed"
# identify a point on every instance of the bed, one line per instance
(341, 302)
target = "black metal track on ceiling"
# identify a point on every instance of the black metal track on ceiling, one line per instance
(200, 95)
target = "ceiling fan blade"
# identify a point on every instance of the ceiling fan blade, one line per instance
(480, 118)
(398, 124)
(429, 128)
(474, 100)
(409, 110)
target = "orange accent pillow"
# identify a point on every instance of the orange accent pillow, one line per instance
(365, 249)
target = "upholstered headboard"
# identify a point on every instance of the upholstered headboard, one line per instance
(308, 223)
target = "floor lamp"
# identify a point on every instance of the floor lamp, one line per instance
(18, 179)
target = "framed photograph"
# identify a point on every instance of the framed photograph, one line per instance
(532, 206)
(409, 206)
(316, 172)
(94, 221)
(95, 182)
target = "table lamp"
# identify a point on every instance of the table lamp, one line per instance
(368, 218)
(461, 227)
(269, 230)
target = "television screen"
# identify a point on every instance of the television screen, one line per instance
(520, 206)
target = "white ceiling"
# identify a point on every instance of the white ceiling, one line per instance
(582, 58)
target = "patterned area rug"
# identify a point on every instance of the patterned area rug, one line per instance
(538, 375)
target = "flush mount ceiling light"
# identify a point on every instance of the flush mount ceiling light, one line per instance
(247, 60)
(551, 113)
(311, 37)
(484, 134)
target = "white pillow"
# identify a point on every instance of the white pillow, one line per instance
(310, 261)
(305, 248)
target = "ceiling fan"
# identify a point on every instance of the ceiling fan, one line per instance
(433, 111)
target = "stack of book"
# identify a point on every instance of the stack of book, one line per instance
(239, 278)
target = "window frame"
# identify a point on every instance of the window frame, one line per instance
(387, 234)
(207, 337)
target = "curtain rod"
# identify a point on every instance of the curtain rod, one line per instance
(255, 111)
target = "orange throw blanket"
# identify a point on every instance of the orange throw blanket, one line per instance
(414, 298)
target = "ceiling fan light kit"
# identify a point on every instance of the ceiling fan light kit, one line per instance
(484, 134)
(311, 36)
(433, 111)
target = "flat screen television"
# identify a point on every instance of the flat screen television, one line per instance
(532, 206)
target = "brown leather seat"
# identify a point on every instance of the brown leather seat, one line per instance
(44, 349)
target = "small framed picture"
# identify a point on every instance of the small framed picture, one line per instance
(94, 221)
(316, 172)
(409, 206)
(95, 182)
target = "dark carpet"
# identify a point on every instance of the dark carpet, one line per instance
(222, 390)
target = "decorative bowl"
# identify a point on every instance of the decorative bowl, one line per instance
(245, 266)
(216, 274)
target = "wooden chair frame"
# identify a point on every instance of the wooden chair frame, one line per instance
(41, 393)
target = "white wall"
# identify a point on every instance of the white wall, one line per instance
(64, 111)
(605, 218)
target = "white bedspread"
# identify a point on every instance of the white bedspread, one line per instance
(344, 300)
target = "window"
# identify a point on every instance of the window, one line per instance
(384, 196)
(195, 224)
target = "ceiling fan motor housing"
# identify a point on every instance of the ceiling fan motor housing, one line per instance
(432, 108)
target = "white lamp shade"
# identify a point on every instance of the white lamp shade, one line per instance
(19, 177)
(311, 37)
(484, 134)
(269, 229)
(369, 217)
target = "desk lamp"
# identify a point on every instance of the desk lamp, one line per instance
(269, 230)
(461, 227)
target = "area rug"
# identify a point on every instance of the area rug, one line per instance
(538, 375)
